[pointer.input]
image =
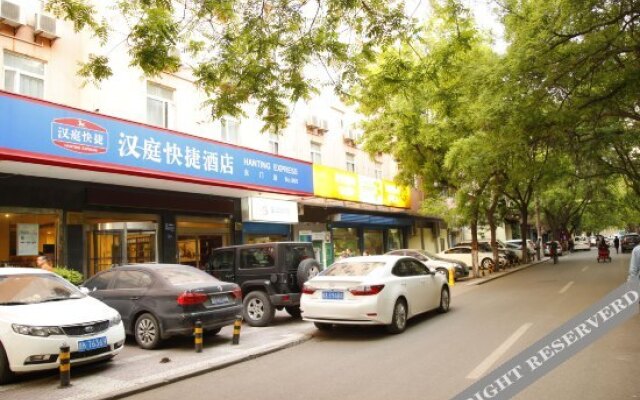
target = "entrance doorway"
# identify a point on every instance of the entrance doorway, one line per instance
(117, 243)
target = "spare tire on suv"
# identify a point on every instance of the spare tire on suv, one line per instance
(307, 269)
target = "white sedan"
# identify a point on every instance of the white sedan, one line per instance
(373, 290)
(40, 311)
(463, 253)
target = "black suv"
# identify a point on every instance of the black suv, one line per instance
(270, 275)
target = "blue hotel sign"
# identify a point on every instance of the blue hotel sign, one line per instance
(33, 130)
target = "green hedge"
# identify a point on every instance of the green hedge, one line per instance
(71, 275)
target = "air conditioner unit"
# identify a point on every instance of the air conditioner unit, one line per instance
(10, 14)
(45, 26)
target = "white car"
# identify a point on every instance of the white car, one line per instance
(373, 290)
(581, 243)
(463, 253)
(458, 268)
(40, 311)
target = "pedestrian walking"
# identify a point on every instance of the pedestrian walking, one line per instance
(616, 243)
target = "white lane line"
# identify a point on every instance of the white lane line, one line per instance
(585, 268)
(565, 287)
(488, 362)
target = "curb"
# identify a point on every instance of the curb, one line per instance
(484, 280)
(207, 366)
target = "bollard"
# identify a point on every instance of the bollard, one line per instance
(236, 330)
(197, 331)
(65, 366)
(452, 280)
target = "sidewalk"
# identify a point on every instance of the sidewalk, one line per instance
(135, 370)
(489, 277)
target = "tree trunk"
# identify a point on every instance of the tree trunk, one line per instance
(524, 222)
(538, 230)
(474, 247)
(491, 219)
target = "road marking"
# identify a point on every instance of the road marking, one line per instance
(488, 362)
(585, 268)
(566, 287)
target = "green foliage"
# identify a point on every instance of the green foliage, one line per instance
(71, 275)
(243, 51)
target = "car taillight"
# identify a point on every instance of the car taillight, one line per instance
(237, 293)
(190, 298)
(306, 289)
(366, 290)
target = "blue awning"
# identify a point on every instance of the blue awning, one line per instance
(364, 219)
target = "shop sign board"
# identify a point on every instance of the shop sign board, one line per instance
(27, 239)
(260, 209)
(36, 131)
(338, 184)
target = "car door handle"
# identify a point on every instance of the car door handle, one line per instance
(134, 298)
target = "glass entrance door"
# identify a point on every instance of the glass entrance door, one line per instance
(117, 243)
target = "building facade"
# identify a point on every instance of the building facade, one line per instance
(135, 170)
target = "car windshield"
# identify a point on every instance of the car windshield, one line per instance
(184, 276)
(352, 268)
(32, 288)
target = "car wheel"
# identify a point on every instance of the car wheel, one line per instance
(147, 331)
(307, 269)
(323, 326)
(257, 309)
(399, 318)
(6, 375)
(445, 300)
(294, 311)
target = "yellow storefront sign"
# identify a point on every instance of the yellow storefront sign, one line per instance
(337, 184)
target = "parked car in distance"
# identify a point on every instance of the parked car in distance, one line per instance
(629, 241)
(463, 253)
(39, 311)
(373, 290)
(432, 261)
(517, 247)
(581, 243)
(270, 275)
(531, 245)
(158, 301)
(547, 248)
(485, 246)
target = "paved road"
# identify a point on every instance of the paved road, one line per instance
(440, 355)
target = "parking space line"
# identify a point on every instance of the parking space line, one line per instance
(565, 287)
(585, 268)
(488, 362)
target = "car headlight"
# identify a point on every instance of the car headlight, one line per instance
(115, 321)
(37, 330)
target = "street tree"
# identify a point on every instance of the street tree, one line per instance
(240, 51)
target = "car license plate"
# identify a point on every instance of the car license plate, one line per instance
(332, 295)
(92, 344)
(219, 300)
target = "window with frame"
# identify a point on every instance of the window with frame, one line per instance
(351, 162)
(23, 75)
(274, 143)
(316, 153)
(230, 130)
(159, 104)
(260, 257)
(378, 170)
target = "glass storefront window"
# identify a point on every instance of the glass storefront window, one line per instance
(394, 241)
(23, 236)
(373, 242)
(198, 236)
(345, 242)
